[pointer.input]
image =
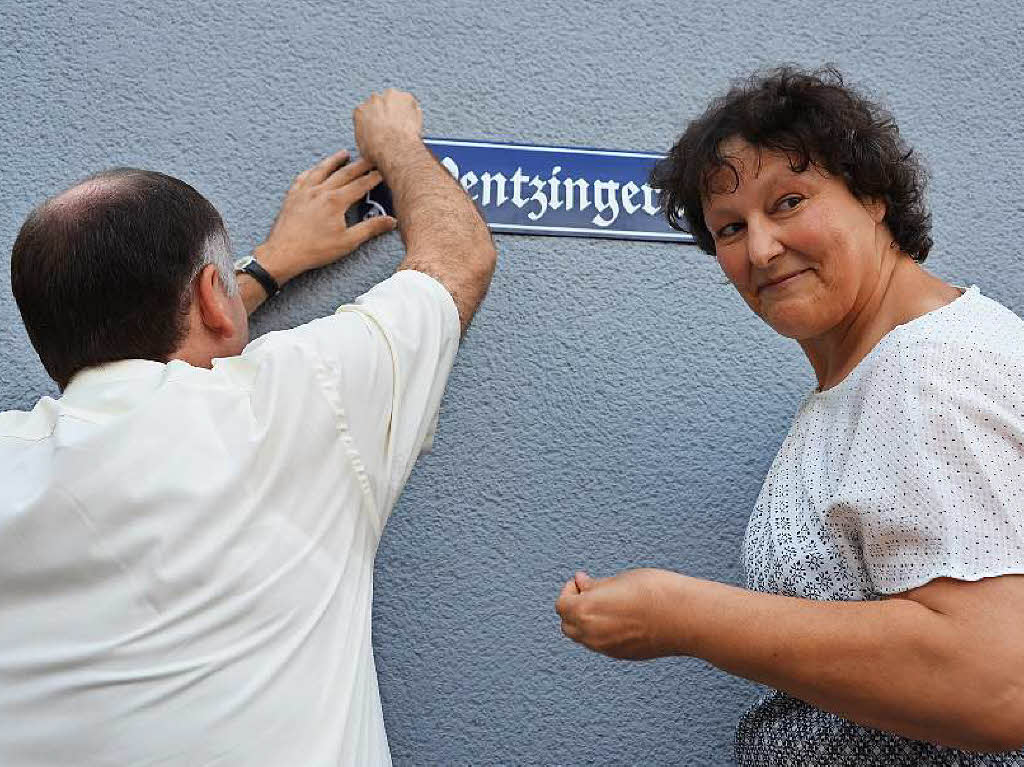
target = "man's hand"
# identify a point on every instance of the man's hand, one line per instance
(385, 123)
(310, 230)
(625, 616)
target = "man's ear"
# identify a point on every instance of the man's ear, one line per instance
(212, 301)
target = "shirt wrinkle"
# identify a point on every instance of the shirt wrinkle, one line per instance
(97, 540)
(351, 451)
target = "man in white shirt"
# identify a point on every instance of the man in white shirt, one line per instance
(187, 534)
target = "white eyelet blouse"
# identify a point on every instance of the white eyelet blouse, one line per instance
(910, 469)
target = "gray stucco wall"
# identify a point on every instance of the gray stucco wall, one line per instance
(615, 404)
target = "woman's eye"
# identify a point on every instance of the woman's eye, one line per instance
(789, 202)
(729, 230)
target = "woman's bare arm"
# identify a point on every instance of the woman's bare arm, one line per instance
(942, 663)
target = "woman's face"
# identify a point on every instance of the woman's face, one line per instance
(799, 247)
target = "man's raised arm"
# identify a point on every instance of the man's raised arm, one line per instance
(443, 232)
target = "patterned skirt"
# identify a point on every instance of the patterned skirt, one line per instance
(781, 731)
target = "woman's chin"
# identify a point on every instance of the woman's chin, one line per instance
(791, 322)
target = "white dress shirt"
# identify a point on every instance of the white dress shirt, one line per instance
(186, 555)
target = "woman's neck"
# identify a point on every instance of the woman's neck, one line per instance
(902, 292)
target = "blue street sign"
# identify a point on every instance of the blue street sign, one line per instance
(559, 191)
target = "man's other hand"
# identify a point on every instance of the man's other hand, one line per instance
(310, 230)
(385, 123)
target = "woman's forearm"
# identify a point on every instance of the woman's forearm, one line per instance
(894, 664)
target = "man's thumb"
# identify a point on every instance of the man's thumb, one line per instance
(583, 581)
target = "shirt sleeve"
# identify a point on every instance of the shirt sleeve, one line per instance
(382, 362)
(937, 468)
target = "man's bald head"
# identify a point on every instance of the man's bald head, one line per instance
(103, 271)
(96, 189)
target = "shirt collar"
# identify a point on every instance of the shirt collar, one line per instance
(109, 372)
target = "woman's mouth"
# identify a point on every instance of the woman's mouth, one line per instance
(781, 282)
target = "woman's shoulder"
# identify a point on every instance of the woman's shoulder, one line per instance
(973, 343)
(972, 320)
(973, 327)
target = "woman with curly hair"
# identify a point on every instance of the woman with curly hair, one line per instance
(885, 553)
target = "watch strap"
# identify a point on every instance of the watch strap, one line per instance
(262, 276)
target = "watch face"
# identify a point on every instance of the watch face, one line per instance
(243, 262)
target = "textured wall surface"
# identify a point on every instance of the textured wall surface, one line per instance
(615, 404)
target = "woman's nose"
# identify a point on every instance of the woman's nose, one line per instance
(762, 243)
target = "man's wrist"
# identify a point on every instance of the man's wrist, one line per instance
(397, 151)
(276, 262)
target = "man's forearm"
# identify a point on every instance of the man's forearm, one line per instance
(443, 232)
(891, 664)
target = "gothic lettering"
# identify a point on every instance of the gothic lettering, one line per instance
(605, 198)
(499, 187)
(552, 192)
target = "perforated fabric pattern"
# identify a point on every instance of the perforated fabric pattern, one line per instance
(909, 470)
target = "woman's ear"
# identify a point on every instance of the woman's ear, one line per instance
(214, 305)
(876, 208)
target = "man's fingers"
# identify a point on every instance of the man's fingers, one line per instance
(348, 173)
(372, 227)
(327, 166)
(351, 193)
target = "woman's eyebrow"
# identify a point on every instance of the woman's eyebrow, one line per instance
(723, 210)
(720, 203)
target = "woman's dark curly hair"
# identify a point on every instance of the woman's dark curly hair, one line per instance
(813, 118)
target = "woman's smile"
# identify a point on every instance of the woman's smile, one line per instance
(776, 285)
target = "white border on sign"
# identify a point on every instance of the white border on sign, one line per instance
(582, 230)
(558, 149)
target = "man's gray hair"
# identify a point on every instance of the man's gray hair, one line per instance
(217, 251)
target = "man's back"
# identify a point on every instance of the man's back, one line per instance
(187, 536)
(186, 554)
